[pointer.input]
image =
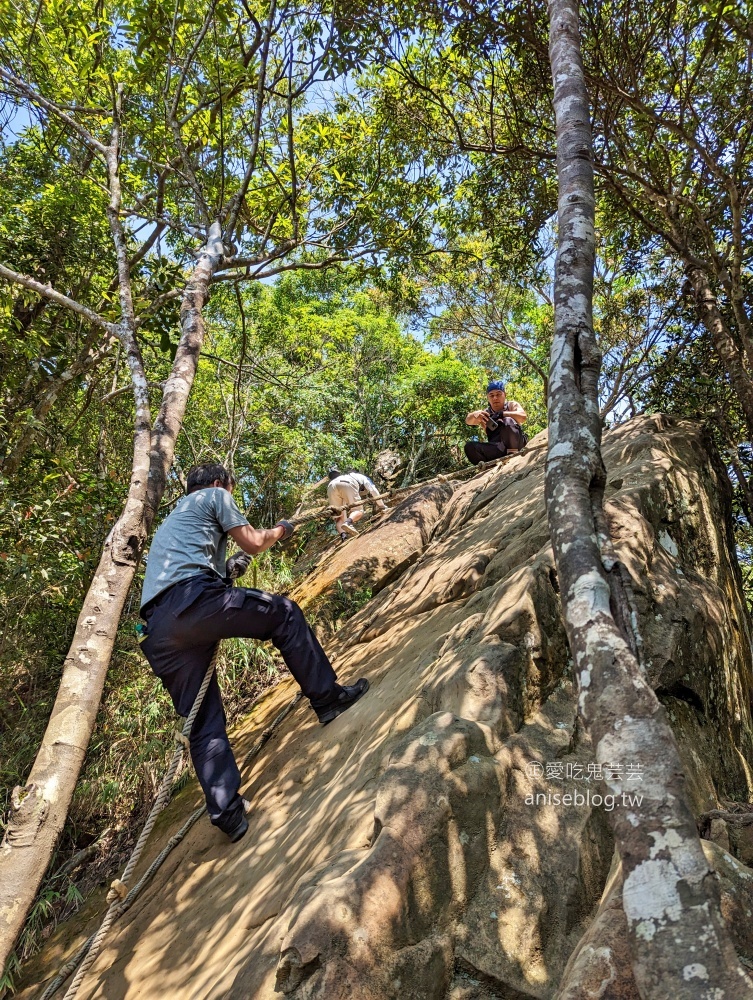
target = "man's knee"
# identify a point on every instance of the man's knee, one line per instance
(287, 614)
(482, 451)
(283, 606)
(513, 433)
(290, 627)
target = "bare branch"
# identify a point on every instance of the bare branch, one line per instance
(48, 292)
(174, 124)
(36, 98)
(236, 202)
(127, 388)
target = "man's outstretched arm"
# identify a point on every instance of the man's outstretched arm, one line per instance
(256, 540)
(374, 493)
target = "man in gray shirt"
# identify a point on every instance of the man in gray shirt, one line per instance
(189, 604)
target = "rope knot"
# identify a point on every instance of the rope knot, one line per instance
(118, 890)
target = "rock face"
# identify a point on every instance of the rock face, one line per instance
(374, 558)
(445, 839)
(387, 466)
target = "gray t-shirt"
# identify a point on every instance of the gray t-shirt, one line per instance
(191, 540)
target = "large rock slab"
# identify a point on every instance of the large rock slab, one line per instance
(441, 839)
(506, 660)
(379, 554)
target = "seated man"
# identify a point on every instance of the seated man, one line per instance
(502, 421)
(189, 604)
(344, 495)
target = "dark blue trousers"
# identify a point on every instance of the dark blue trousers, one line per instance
(184, 624)
(508, 434)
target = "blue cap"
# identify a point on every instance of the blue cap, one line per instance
(496, 385)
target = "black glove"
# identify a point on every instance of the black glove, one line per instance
(289, 528)
(237, 565)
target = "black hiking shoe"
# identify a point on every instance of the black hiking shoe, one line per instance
(241, 827)
(348, 696)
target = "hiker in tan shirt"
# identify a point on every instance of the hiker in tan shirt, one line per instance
(344, 495)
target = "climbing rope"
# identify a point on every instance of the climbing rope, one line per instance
(120, 897)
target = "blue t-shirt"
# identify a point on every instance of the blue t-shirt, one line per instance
(191, 540)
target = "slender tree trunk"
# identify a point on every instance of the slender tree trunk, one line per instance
(742, 320)
(731, 276)
(39, 809)
(679, 944)
(415, 459)
(170, 417)
(735, 293)
(724, 343)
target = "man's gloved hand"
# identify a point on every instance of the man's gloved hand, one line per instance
(237, 565)
(288, 526)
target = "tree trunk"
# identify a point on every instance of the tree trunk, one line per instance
(724, 343)
(678, 941)
(40, 808)
(415, 459)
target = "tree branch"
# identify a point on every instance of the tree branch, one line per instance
(36, 98)
(48, 292)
